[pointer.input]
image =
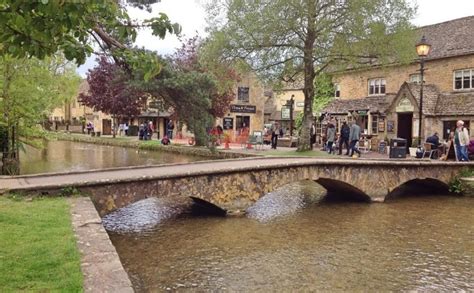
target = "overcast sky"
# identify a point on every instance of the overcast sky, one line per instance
(191, 16)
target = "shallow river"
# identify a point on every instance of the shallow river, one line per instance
(65, 156)
(412, 243)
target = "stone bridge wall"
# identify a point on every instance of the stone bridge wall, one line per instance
(238, 189)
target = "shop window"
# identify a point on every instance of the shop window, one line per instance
(375, 124)
(376, 86)
(243, 94)
(464, 79)
(337, 90)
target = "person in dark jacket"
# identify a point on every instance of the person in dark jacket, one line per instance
(344, 138)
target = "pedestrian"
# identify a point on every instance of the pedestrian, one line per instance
(331, 137)
(121, 129)
(165, 140)
(344, 137)
(126, 129)
(141, 131)
(312, 132)
(461, 141)
(89, 127)
(275, 132)
(354, 137)
(169, 129)
(149, 130)
(280, 132)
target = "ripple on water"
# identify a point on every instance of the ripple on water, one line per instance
(283, 201)
(142, 216)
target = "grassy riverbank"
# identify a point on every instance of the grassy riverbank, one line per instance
(37, 246)
(152, 145)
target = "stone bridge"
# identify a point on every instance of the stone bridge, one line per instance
(236, 184)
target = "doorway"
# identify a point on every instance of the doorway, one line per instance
(242, 122)
(405, 127)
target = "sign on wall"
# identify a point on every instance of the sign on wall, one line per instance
(285, 113)
(300, 104)
(404, 105)
(243, 109)
(381, 126)
(228, 123)
(390, 126)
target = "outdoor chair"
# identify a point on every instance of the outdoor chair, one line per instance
(428, 149)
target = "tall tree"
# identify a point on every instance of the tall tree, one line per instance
(29, 90)
(110, 91)
(287, 39)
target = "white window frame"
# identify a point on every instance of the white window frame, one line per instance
(418, 78)
(462, 72)
(337, 89)
(378, 84)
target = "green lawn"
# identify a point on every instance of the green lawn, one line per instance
(37, 246)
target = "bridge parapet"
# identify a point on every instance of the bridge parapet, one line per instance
(236, 184)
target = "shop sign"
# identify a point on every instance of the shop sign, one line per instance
(381, 126)
(243, 109)
(228, 123)
(405, 105)
(285, 113)
(390, 126)
(362, 112)
(300, 104)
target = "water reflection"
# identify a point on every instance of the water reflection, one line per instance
(422, 243)
(65, 156)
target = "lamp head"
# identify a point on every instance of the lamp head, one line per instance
(423, 48)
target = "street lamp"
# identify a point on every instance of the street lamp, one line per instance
(423, 48)
(290, 103)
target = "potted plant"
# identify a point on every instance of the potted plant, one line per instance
(226, 140)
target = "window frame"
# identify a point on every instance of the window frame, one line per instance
(377, 86)
(238, 94)
(463, 79)
(337, 90)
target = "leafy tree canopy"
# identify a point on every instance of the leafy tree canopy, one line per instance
(285, 39)
(42, 28)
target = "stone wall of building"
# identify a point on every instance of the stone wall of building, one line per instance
(439, 72)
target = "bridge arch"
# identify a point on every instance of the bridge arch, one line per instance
(417, 186)
(340, 190)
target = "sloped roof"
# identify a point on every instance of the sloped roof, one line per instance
(450, 38)
(455, 104)
(373, 104)
(430, 96)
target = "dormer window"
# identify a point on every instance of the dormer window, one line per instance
(464, 79)
(376, 86)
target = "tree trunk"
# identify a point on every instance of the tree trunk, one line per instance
(305, 137)
(114, 125)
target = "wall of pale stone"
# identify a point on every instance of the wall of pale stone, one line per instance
(438, 72)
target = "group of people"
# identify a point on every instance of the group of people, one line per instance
(460, 138)
(123, 129)
(145, 130)
(348, 138)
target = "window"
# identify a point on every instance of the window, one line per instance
(415, 78)
(450, 126)
(464, 79)
(243, 94)
(376, 86)
(337, 90)
(375, 124)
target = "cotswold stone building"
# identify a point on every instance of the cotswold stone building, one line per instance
(386, 100)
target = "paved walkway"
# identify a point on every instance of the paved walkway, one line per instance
(127, 174)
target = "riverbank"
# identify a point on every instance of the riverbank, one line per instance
(152, 145)
(37, 246)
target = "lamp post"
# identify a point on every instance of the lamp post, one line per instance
(423, 48)
(290, 103)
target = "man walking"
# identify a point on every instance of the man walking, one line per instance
(354, 137)
(344, 138)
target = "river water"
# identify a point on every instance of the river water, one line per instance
(408, 244)
(66, 156)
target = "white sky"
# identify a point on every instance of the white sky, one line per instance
(191, 16)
